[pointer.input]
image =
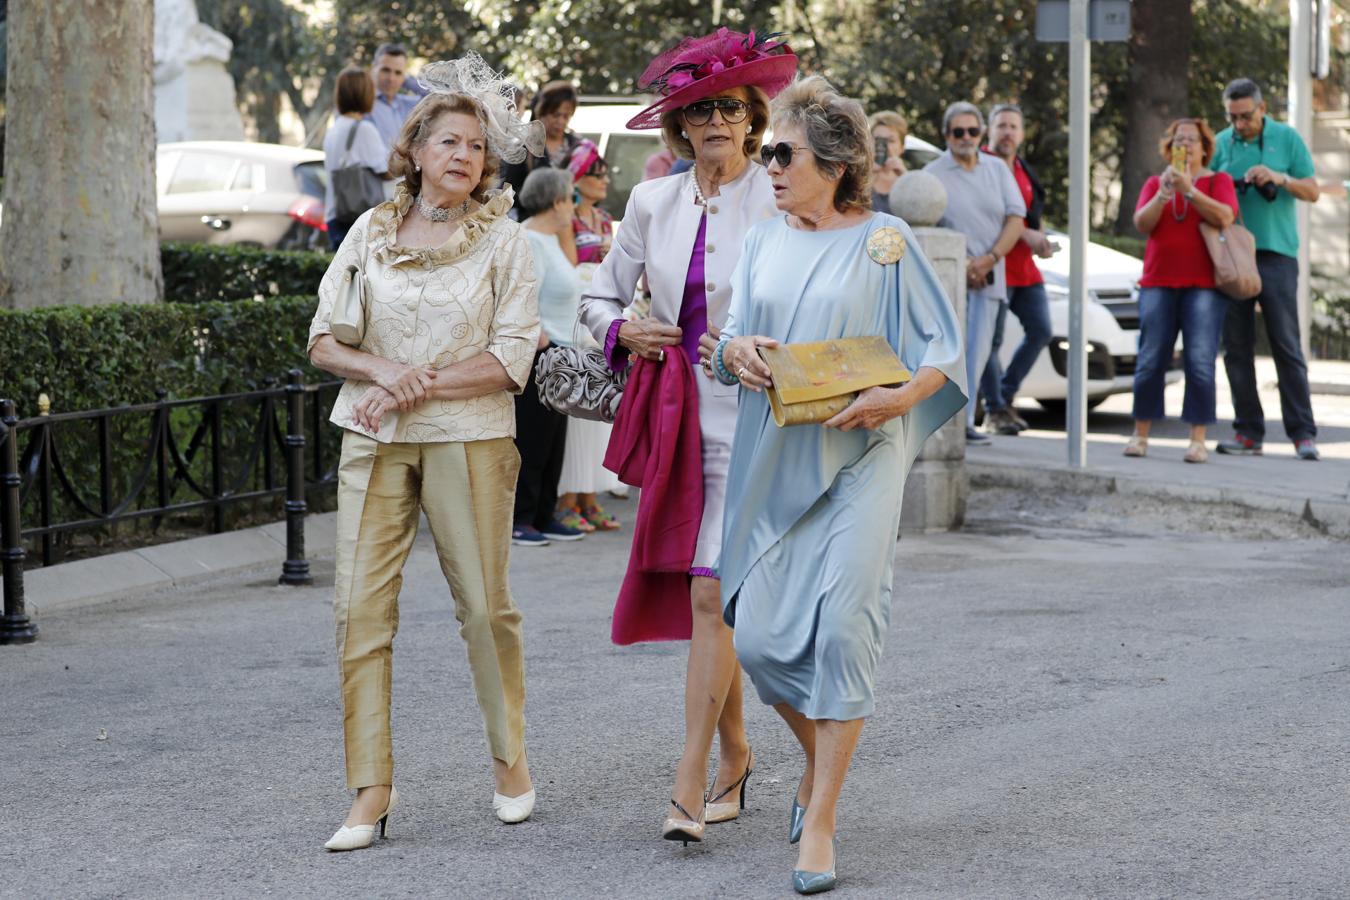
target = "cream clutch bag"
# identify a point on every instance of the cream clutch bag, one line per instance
(813, 382)
(349, 308)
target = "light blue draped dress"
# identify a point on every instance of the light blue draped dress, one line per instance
(812, 513)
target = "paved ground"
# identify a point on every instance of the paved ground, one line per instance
(1074, 702)
(1279, 472)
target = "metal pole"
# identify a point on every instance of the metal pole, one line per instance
(1301, 62)
(296, 568)
(15, 626)
(1080, 77)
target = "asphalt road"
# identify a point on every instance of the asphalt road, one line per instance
(1072, 703)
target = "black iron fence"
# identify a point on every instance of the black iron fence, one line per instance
(66, 473)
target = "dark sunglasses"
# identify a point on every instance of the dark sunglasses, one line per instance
(733, 111)
(781, 153)
(960, 133)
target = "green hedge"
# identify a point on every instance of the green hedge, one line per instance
(196, 273)
(93, 357)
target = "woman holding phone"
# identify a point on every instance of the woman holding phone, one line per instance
(1177, 292)
(888, 147)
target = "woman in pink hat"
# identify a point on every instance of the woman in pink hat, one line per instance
(685, 233)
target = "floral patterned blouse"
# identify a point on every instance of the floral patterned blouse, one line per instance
(590, 243)
(436, 306)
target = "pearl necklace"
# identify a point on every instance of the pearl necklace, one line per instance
(699, 199)
(436, 214)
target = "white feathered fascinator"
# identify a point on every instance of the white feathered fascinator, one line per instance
(508, 137)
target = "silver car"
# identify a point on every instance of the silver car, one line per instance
(236, 192)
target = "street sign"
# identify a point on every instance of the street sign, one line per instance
(1108, 21)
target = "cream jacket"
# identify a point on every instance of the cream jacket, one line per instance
(657, 237)
(436, 306)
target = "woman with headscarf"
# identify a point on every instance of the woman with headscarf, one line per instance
(685, 233)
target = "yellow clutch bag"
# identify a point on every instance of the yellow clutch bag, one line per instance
(812, 382)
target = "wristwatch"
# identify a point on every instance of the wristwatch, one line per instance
(1189, 195)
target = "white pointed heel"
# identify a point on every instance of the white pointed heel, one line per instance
(513, 809)
(358, 837)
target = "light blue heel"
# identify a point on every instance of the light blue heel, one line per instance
(804, 882)
(797, 821)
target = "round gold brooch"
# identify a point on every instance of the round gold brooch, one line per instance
(886, 245)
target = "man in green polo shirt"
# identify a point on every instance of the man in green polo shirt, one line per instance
(1271, 168)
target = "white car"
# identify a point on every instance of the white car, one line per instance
(1110, 326)
(1111, 323)
(239, 192)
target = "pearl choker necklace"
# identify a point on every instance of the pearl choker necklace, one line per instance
(436, 214)
(699, 199)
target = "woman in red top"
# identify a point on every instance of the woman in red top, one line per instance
(1177, 291)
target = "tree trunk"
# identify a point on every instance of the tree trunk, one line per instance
(81, 225)
(1160, 52)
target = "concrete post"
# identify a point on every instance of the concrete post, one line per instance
(935, 494)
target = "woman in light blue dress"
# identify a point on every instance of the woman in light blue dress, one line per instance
(813, 511)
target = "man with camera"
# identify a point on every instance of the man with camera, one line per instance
(1271, 168)
(985, 204)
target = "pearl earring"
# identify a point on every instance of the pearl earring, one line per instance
(417, 168)
(685, 135)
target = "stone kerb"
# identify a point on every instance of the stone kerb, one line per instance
(938, 485)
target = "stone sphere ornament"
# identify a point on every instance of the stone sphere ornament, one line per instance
(918, 198)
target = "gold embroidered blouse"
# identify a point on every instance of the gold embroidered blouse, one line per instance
(436, 306)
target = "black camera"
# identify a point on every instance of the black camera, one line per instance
(1268, 190)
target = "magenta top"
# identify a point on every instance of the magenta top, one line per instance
(693, 320)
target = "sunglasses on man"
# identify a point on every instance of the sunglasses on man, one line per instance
(781, 153)
(960, 133)
(733, 111)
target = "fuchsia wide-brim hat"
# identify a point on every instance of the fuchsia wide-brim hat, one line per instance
(698, 68)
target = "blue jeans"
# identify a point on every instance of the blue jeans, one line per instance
(1279, 309)
(337, 232)
(1198, 314)
(1032, 308)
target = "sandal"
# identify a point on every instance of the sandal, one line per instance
(1138, 446)
(1197, 452)
(573, 518)
(602, 520)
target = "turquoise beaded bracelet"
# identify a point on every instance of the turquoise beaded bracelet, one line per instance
(720, 367)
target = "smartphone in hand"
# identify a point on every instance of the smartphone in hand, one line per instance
(880, 151)
(1178, 158)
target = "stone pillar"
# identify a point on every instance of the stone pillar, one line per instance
(936, 491)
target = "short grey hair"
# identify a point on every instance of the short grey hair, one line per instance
(1239, 88)
(544, 187)
(837, 134)
(961, 108)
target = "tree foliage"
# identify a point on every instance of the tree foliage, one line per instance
(915, 56)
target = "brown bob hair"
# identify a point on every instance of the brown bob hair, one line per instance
(417, 129)
(837, 134)
(355, 91)
(1206, 139)
(672, 126)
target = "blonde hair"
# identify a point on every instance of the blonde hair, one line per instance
(672, 128)
(889, 118)
(837, 135)
(417, 129)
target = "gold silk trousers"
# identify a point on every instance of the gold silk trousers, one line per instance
(467, 490)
